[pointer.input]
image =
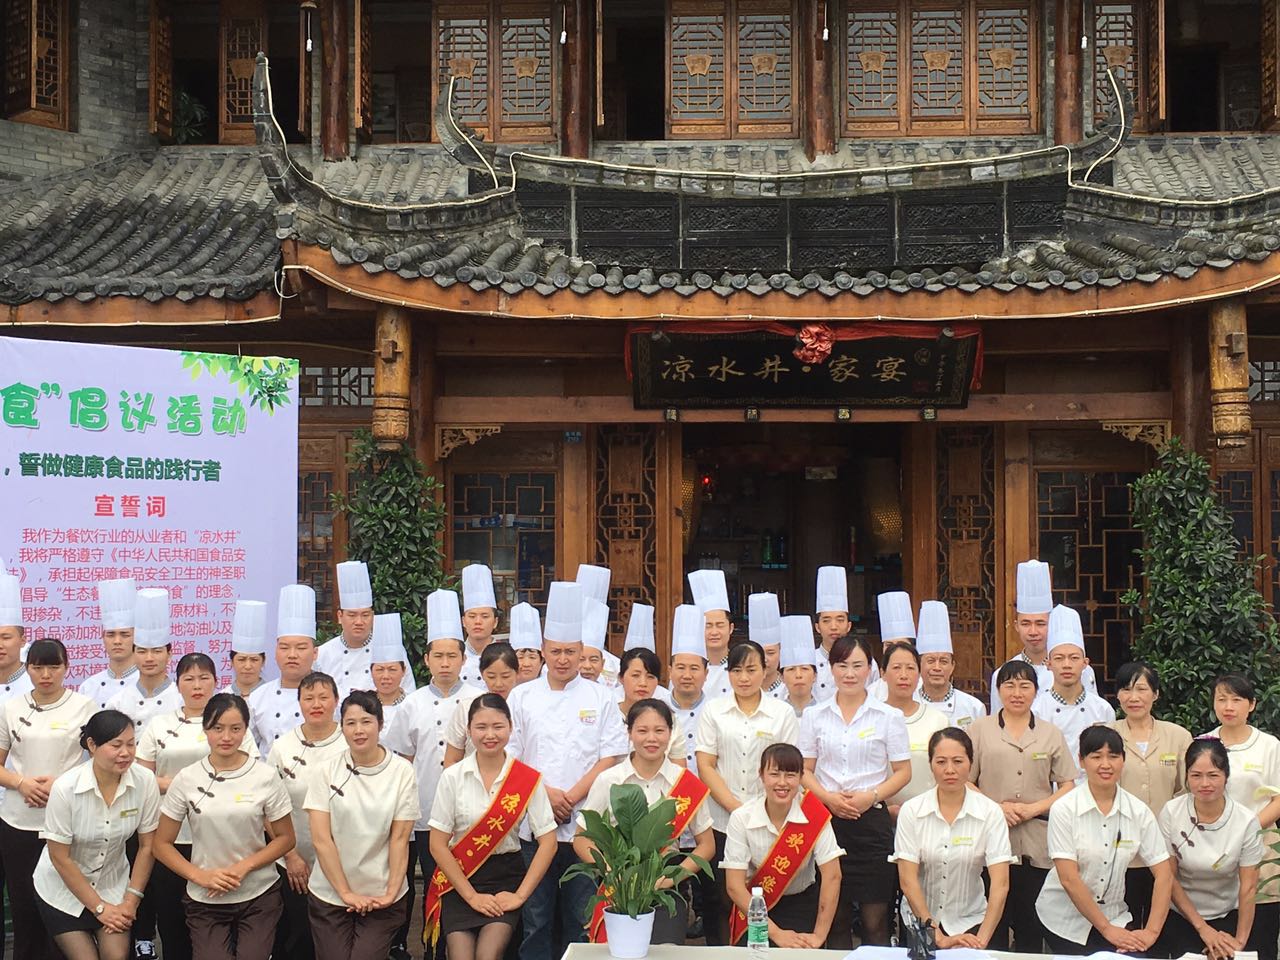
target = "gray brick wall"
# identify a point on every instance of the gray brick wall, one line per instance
(109, 95)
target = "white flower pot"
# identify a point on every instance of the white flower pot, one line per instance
(628, 938)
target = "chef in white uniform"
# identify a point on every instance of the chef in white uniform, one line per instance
(598, 663)
(248, 644)
(479, 621)
(831, 607)
(937, 664)
(711, 596)
(1067, 703)
(116, 599)
(274, 706)
(897, 625)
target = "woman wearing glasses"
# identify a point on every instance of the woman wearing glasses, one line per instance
(1095, 832)
(39, 741)
(1216, 847)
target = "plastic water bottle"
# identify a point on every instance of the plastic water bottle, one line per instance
(757, 924)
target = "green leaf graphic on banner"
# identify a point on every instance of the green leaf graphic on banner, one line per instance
(265, 380)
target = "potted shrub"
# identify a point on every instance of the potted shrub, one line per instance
(632, 851)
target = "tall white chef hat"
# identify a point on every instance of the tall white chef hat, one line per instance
(10, 600)
(116, 599)
(249, 627)
(594, 582)
(444, 619)
(896, 622)
(151, 618)
(764, 619)
(833, 590)
(595, 623)
(477, 587)
(797, 643)
(296, 612)
(640, 628)
(935, 628)
(687, 634)
(563, 623)
(1035, 587)
(387, 645)
(355, 592)
(1064, 628)
(525, 628)
(710, 592)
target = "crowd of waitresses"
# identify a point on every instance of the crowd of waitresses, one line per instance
(845, 776)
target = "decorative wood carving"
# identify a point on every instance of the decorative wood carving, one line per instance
(627, 518)
(449, 438)
(1157, 99)
(1229, 372)
(242, 35)
(392, 368)
(1153, 432)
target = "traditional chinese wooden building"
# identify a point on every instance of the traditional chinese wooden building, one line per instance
(917, 287)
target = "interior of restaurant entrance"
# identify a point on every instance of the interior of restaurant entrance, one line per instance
(770, 503)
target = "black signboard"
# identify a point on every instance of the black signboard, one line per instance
(760, 369)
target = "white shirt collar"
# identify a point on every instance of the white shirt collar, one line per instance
(86, 782)
(758, 816)
(929, 805)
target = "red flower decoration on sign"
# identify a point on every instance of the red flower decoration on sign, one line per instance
(816, 340)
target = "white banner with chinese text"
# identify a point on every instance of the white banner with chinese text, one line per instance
(178, 469)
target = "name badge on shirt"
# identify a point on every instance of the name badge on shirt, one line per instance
(962, 841)
(1039, 755)
(245, 798)
(1126, 844)
(58, 725)
(764, 734)
(587, 716)
(131, 812)
(964, 721)
(863, 734)
(1169, 759)
(919, 747)
(1252, 767)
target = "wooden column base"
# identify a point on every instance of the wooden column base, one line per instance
(391, 377)
(1229, 372)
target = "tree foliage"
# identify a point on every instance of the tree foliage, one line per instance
(1202, 614)
(395, 525)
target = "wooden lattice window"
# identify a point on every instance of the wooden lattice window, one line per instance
(364, 71)
(956, 67)
(161, 92)
(502, 63)
(1117, 39)
(1270, 43)
(36, 64)
(242, 34)
(731, 68)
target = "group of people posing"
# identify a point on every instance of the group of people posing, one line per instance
(845, 776)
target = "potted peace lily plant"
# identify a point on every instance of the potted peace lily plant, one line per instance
(632, 851)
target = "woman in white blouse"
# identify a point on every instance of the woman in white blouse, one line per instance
(362, 807)
(88, 895)
(945, 838)
(39, 741)
(856, 756)
(231, 800)
(1095, 832)
(173, 742)
(500, 671)
(1255, 774)
(649, 724)
(900, 673)
(640, 678)
(480, 912)
(1216, 847)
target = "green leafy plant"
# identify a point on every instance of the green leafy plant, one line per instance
(395, 525)
(1202, 614)
(265, 380)
(189, 118)
(633, 850)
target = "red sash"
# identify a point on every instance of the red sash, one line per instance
(689, 793)
(794, 844)
(471, 852)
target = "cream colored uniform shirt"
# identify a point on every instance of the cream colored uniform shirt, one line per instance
(229, 813)
(301, 764)
(1156, 771)
(461, 800)
(737, 739)
(362, 803)
(173, 742)
(1255, 773)
(1207, 857)
(921, 725)
(43, 741)
(96, 831)
(655, 789)
(751, 836)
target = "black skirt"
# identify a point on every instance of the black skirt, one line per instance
(502, 873)
(866, 875)
(57, 922)
(797, 911)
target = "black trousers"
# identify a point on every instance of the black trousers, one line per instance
(293, 932)
(1062, 947)
(1179, 937)
(715, 899)
(20, 851)
(1139, 885)
(165, 892)
(1266, 928)
(1020, 925)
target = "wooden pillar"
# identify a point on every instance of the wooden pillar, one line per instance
(392, 375)
(425, 386)
(335, 127)
(577, 502)
(1019, 533)
(920, 493)
(1188, 382)
(820, 131)
(579, 77)
(1068, 123)
(669, 491)
(1229, 372)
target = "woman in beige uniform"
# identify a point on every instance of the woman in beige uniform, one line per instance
(231, 799)
(1024, 765)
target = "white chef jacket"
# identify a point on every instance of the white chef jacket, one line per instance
(350, 666)
(418, 730)
(140, 707)
(274, 711)
(687, 717)
(103, 685)
(958, 707)
(1044, 678)
(1073, 718)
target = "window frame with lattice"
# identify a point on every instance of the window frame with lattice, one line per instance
(37, 62)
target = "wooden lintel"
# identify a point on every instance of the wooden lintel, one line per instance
(127, 311)
(951, 304)
(982, 408)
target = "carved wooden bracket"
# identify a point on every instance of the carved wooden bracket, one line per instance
(449, 438)
(1153, 432)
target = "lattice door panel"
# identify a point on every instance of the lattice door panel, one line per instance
(697, 87)
(871, 70)
(1156, 90)
(1269, 39)
(161, 89)
(966, 535)
(938, 58)
(243, 33)
(766, 95)
(507, 521)
(527, 88)
(462, 54)
(1004, 44)
(35, 61)
(626, 519)
(1086, 534)
(1116, 44)
(322, 531)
